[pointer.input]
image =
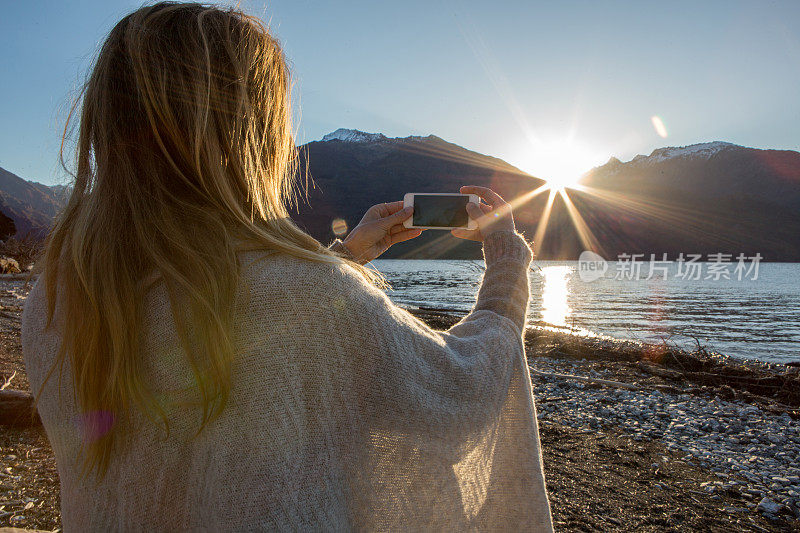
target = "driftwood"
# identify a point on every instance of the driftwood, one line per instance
(659, 371)
(606, 382)
(778, 384)
(16, 409)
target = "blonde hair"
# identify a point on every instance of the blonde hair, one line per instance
(185, 155)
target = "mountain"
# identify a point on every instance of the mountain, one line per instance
(355, 136)
(29, 204)
(352, 170)
(706, 198)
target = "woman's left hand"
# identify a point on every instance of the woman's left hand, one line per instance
(381, 227)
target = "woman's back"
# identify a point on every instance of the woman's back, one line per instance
(245, 389)
(268, 450)
(345, 412)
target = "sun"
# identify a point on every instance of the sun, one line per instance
(562, 163)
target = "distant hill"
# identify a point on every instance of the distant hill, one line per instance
(352, 170)
(705, 198)
(29, 204)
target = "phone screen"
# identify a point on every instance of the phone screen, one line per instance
(436, 210)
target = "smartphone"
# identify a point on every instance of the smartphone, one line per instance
(439, 210)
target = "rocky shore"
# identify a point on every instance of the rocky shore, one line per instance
(752, 451)
(631, 443)
(752, 454)
(634, 437)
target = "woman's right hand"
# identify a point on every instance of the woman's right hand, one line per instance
(494, 215)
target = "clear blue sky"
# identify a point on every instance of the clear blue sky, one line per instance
(523, 81)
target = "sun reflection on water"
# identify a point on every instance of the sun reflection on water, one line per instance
(555, 308)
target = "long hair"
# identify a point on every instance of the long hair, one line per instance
(185, 155)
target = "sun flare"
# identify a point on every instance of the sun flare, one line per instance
(561, 163)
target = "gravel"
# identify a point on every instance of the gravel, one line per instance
(750, 451)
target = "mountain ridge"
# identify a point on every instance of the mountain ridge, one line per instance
(30, 204)
(708, 197)
(714, 196)
(358, 136)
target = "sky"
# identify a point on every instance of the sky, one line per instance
(555, 87)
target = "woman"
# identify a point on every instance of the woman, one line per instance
(202, 364)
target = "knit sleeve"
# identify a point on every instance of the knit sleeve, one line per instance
(429, 430)
(448, 426)
(414, 375)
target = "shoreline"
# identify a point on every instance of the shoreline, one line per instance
(633, 437)
(445, 314)
(775, 385)
(732, 423)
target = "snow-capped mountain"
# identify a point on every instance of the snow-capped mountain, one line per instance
(713, 195)
(705, 198)
(353, 170)
(353, 136)
(702, 150)
(358, 136)
(714, 169)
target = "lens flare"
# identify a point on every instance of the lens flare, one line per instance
(94, 425)
(541, 228)
(339, 227)
(585, 234)
(658, 124)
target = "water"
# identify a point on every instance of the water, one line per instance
(752, 318)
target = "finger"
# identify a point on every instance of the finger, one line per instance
(397, 218)
(393, 207)
(488, 195)
(474, 211)
(386, 209)
(397, 228)
(405, 235)
(470, 235)
(486, 209)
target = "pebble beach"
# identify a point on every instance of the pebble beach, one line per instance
(687, 455)
(627, 445)
(751, 452)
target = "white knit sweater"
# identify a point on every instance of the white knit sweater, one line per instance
(346, 413)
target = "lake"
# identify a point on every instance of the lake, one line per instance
(748, 318)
